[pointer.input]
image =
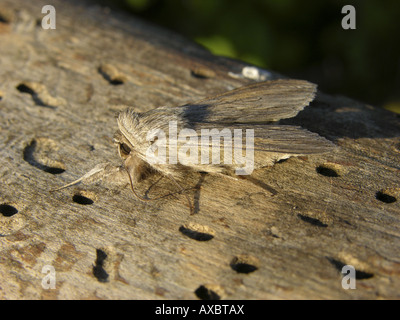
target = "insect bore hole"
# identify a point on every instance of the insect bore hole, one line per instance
(327, 171)
(7, 210)
(205, 292)
(360, 274)
(312, 221)
(197, 232)
(81, 199)
(25, 89)
(244, 264)
(5, 17)
(385, 197)
(98, 269)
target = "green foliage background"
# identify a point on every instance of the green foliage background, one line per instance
(302, 39)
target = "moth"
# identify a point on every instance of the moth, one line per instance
(255, 108)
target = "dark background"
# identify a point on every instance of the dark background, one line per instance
(302, 39)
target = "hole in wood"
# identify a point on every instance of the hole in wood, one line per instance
(5, 17)
(313, 221)
(25, 89)
(202, 73)
(244, 264)
(98, 268)
(327, 171)
(7, 210)
(282, 160)
(40, 94)
(81, 199)
(112, 74)
(37, 154)
(38, 22)
(360, 275)
(385, 197)
(116, 82)
(205, 293)
(197, 232)
(53, 170)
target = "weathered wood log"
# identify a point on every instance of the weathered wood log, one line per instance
(60, 90)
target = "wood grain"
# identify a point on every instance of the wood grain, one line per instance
(60, 90)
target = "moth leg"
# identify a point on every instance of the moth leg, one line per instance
(160, 197)
(171, 194)
(182, 191)
(260, 184)
(158, 180)
(251, 179)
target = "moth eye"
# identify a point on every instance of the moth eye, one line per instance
(124, 149)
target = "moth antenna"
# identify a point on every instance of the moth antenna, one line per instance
(96, 169)
(67, 185)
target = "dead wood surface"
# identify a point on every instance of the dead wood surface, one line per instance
(60, 90)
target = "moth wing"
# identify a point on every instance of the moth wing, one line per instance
(292, 140)
(271, 143)
(250, 107)
(260, 102)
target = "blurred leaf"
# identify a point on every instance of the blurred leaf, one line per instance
(393, 106)
(138, 4)
(218, 45)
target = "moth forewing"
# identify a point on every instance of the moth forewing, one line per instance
(261, 102)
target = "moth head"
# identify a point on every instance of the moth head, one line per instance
(136, 167)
